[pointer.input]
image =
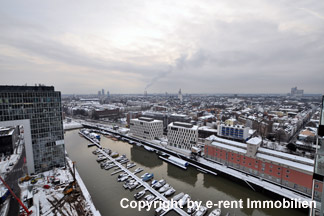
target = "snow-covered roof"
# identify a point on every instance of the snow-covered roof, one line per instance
(254, 141)
(205, 128)
(287, 156)
(231, 148)
(228, 142)
(183, 125)
(300, 166)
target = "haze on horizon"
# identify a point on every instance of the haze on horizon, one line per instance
(228, 46)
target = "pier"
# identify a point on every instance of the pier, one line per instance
(144, 184)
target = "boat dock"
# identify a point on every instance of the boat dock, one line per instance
(93, 142)
(144, 184)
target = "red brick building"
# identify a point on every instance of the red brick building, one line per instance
(292, 171)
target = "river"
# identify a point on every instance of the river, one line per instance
(107, 193)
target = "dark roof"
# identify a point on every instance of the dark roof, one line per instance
(9, 88)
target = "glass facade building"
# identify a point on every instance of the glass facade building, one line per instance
(41, 105)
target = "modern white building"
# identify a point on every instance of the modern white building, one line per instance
(182, 135)
(146, 128)
(236, 132)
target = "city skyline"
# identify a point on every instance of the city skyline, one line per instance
(200, 47)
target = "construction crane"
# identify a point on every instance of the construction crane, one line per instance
(14, 195)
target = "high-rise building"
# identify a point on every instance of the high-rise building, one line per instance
(103, 92)
(296, 92)
(38, 110)
(180, 95)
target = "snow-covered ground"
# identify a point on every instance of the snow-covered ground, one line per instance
(85, 192)
(71, 125)
(53, 201)
(6, 165)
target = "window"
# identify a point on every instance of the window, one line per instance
(287, 171)
(316, 185)
(270, 170)
(287, 176)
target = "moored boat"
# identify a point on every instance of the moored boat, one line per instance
(139, 194)
(148, 176)
(164, 188)
(215, 212)
(169, 192)
(178, 196)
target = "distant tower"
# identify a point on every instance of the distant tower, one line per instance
(108, 94)
(103, 92)
(180, 95)
(145, 93)
(99, 93)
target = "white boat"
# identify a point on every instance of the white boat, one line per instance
(128, 183)
(138, 170)
(178, 196)
(139, 195)
(159, 184)
(201, 211)
(124, 178)
(215, 212)
(154, 182)
(128, 166)
(184, 200)
(149, 197)
(121, 175)
(164, 188)
(170, 192)
(133, 185)
(193, 209)
(149, 148)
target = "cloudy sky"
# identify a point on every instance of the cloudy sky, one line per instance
(225, 46)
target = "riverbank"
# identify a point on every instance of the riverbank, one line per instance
(255, 183)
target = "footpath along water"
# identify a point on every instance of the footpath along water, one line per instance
(107, 193)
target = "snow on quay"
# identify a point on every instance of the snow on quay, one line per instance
(223, 168)
(48, 197)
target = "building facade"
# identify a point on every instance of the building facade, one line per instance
(182, 135)
(235, 132)
(146, 128)
(40, 107)
(8, 139)
(288, 170)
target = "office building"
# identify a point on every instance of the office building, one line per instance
(38, 110)
(146, 128)
(182, 135)
(234, 132)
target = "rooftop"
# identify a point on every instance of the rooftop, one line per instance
(39, 88)
(183, 125)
